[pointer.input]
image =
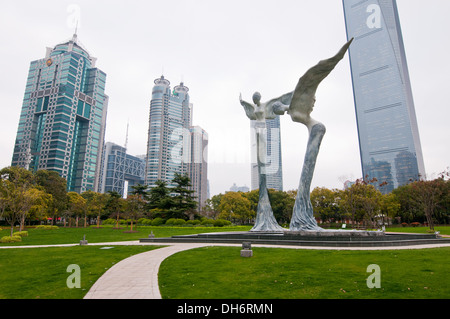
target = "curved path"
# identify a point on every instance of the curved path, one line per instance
(137, 276)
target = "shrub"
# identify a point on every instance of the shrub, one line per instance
(193, 222)
(46, 227)
(109, 221)
(208, 222)
(157, 221)
(415, 224)
(175, 221)
(21, 233)
(145, 221)
(10, 239)
(221, 223)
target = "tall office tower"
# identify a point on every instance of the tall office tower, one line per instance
(274, 168)
(168, 133)
(63, 118)
(120, 171)
(387, 125)
(198, 165)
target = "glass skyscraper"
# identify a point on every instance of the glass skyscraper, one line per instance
(63, 117)
(387, 125)
(168, 133)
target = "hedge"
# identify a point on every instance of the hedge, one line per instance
(10, 239)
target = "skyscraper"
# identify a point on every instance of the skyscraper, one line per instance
(168, 133)
(387, 126)
(198, 165)
(63, 117)
(274, 163)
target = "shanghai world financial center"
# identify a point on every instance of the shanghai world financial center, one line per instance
(387, 126)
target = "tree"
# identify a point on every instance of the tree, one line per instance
(427, 195)
(115, 204)
(183, 200)
(56, 186)
(234, 206)
(325, 204)
(19, 194)
(140, 190)
(390, 205)
(77, 206)
(159, 200)
(95, 202)
(135, 205)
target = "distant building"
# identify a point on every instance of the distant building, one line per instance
(198, 165)
(387, 126)
(120, 171)
(63, 117)
(243, 189)
(275, 165)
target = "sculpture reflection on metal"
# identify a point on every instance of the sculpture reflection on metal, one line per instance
(299, 105)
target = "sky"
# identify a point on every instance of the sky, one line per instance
(221, 49)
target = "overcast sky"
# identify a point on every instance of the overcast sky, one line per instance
(221, 49)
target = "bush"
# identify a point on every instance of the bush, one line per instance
(21, 233)
(193, 222)
(158, 221)
(46, 227)
(221, 223)
(208, 222)
(175, 222)
(145, 221)
(109, 221)
(9, 239)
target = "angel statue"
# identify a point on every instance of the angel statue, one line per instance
(298, 104)
(259, 112)
(300, 109)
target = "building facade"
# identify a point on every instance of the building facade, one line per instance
(168, 134)
(198, 165)
(274, 166)
(387, 126)
(120, 171)
(63, 117)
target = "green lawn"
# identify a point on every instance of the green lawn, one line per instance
(220, 272)
(41, 273)
(444, 230)
(73, 235)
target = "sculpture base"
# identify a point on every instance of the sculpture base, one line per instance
(327, 238)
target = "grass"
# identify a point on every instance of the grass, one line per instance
(272, 273)
(66, 235)
(444, 230)
(41, 273)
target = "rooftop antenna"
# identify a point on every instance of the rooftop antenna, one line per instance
(126, 137)
(74, 38)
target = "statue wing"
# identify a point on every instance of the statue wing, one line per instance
(304, 94)
(249, 110)
(284, 99)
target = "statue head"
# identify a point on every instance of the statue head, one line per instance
(257, 98)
